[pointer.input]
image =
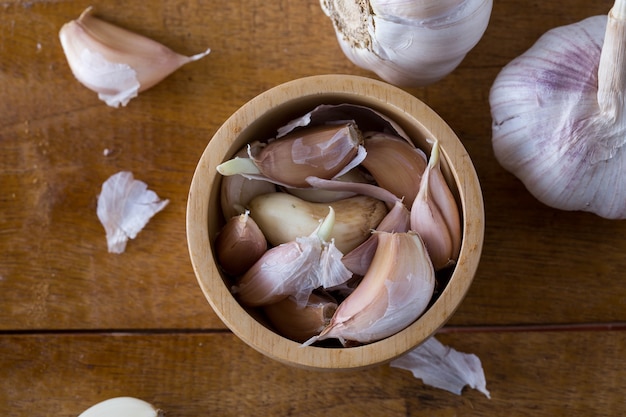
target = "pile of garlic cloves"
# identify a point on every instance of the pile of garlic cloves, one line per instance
(323, 239)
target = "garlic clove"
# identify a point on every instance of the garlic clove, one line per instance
(239, 244)
(300, 323)
(114, 62)
(284, 217)
(294, 269)
(236, 191)
(395, 164)
(122, 407)
(426, 219)
(358, 260)
(391, 296)
(323, 151)
(427, 216)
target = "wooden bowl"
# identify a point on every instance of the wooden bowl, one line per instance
(259, 118)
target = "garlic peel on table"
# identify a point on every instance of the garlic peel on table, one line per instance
(559, 116)
(408, 43)
(114, 62)
(125, 205)
(443, 367)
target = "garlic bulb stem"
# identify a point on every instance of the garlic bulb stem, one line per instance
(611, 77)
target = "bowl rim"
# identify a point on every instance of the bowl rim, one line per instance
(264, 340)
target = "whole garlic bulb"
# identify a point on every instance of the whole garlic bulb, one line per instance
(408, 43)
(559, 116)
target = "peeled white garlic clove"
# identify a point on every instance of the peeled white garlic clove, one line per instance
(122, 407)
(395, 291)
(408, 43)
(114, 62)
(125, 205)
(559, 116)
(284, 217)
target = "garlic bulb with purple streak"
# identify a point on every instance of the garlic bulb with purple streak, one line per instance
(559, 116)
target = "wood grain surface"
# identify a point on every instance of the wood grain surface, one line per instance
(546, 313)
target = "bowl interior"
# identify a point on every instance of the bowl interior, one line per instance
(259, 119)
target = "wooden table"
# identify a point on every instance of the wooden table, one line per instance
(546, 313)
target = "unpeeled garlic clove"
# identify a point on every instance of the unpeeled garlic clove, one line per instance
(443, 197)
(300, 323)
(324, 151)
(122, 407)
(395, 291)
(358, 260)
(239, 244)
(395, 164)
(295, 269)
(114, 62)
(284, 217)
(427, 215)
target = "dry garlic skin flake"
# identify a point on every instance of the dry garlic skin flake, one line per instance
(125, 205)
(559, 116)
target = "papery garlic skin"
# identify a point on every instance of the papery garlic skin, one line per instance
(125, 205)
(408, 43)
(114, 62)
(444, 367)
(549, 128)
